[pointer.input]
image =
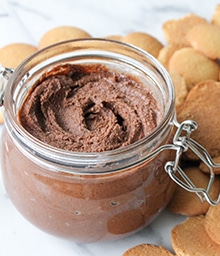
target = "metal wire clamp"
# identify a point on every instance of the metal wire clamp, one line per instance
(181, 143)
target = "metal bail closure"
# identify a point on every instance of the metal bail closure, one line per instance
(5, 73)
(181, 143)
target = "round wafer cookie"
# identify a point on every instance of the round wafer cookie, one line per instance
(203, 167)
(212, 223)
(190, 238)
(202, 105)
(180, 86)
(175, 30)
(144, 41)
(12, 55)
(147, 250)
(216, 15)
(193, 66)
(205, 38)
(62, 33)
(188, 203)
(114, 37)
(166, 52)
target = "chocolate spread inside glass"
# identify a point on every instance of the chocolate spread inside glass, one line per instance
(88, 108)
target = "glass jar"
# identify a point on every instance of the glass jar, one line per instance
(88, 197)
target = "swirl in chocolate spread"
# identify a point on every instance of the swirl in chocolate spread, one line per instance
(89, 108)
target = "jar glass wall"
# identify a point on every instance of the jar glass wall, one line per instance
(88, 196)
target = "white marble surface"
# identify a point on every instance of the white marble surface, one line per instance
(26, 21)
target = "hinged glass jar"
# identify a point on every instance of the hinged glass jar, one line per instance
(89, 197)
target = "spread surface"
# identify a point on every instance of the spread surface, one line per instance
(89, 108)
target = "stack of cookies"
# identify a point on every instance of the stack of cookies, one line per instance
(192, 58)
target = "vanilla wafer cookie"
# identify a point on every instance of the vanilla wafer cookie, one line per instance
(216, 170)
(147, 250)
(114, 37)
(190, 238)
(61, 33)
(216, 16)
(175, 30)
(180, 87)
(193, 66)
(202, 105)
(205, 38)
(144, 41)
(12, 55)
(212, 223)
(166, 53)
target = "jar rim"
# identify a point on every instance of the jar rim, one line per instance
(82, 156)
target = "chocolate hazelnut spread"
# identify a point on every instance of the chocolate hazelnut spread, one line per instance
(88, 191)
(89, 109)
